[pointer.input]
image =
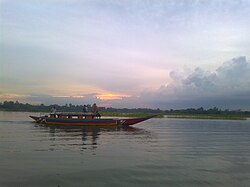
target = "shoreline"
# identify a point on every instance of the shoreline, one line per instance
(162, 115)
(199, 116)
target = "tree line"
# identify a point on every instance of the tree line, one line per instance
(17, 106)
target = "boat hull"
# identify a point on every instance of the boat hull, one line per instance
(89, 122)
(74, 122)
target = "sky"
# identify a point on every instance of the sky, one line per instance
(126, 53)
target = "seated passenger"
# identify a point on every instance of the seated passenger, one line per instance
(95, 110)
(85, 108)
(53, 110)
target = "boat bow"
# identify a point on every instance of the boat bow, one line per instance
(132, 121)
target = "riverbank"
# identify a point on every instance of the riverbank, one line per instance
(184, 116)
(163, 115)
(209, 116)
(192, 113)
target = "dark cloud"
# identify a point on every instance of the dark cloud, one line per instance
(227, 87)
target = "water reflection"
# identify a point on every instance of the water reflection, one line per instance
(79, 137)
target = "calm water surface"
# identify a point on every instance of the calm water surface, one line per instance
(158, 152)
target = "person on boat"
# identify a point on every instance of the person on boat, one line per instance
(53, 110)
(89, 108)
(85, 108)
(95, 110)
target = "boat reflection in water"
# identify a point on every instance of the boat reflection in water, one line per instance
(63, 137)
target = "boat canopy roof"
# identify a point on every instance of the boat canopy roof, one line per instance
(74, 113)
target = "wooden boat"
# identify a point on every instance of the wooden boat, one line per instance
(85, 119)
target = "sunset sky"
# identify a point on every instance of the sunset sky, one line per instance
(126, 53)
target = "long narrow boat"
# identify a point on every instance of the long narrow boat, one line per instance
(85, 119)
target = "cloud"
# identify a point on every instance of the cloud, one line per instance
(227, 87)
(99, 98)
(124, 47)
(231, 77)
(62, 99)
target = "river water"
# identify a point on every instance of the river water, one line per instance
(157, 152)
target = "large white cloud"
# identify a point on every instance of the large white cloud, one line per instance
(226, 87)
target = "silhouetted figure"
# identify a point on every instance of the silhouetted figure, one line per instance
(95, 110)
(53, 110)
(85, 108)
